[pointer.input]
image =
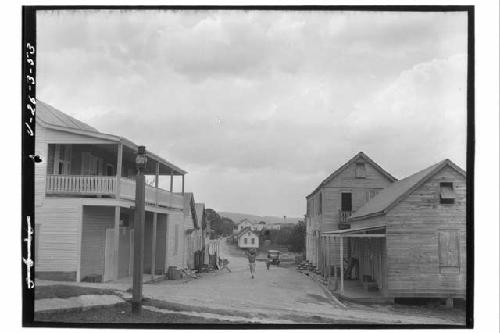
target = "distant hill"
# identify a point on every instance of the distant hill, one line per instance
(237, 217)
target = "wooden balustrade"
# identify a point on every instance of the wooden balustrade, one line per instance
(104, 185)
(344, 215)
(85, 185)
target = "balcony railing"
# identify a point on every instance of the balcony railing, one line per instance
(105, 185)
(344, 215)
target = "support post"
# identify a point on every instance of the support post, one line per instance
(155, 222)
(182, 184)
(171, 181)
(341, 265)
(153, 246)
(119, 162)
(116, 233)
(116, 241)
(140, 190)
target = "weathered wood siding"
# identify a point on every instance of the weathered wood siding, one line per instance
(96, 219)
(175, 257)
(347, 182)
(412, 239)
(41, 148)
(59, 223)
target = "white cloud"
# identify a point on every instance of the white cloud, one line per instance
(263, 103)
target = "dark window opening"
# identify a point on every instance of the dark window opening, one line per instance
(346, 202)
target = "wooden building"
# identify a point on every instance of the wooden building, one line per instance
(248, 238)
(84, 203)
(335, 199)
(410, 239)
(202, 256)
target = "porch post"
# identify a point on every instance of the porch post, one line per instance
(182, 184)
(116, 240)
(153, 246)
(341, 265)
(119, 161)
(155, 221)
(171, 181)
(116, 231)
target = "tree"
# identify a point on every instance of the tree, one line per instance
(221, 226)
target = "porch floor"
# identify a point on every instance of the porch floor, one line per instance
(355, 292)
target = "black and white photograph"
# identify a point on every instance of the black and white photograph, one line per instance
(246, 167)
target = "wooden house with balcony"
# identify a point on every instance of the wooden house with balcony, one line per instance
(409, 241)
(335, 199)
(84, 203)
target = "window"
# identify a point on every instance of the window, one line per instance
(320, 204)
(370, 194)
(62, 160)
(245, 240)
(360, 170)
(447, 195)
(92, 165)
(110, 170)
(253, 241)
(346, 202)
(449, 253)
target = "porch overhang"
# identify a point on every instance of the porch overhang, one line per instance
(375, 232)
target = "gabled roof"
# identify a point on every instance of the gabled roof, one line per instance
(190, 206)
(347, 164)
(200, 208)
(245, 230)
(244, 220)
(50, 117)
(53, 116)
(393, 194)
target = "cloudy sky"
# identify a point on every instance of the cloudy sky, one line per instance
(259, 107)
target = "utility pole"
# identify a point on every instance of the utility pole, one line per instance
(140, 190)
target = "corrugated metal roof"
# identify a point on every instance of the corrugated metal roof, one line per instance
(391, 194)
(53, 116)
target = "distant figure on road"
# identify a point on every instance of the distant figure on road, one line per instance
(225, 262)
(251, 260)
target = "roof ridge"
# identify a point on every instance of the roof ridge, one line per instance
(346, 164)
(418, 177)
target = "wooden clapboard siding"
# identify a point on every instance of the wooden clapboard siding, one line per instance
(412, 244)
(347, 182)
(175, 258)
(59, 222)
(41, 148)
(96, 219)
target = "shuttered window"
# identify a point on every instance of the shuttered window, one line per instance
(62, 160)
(449, 253)
(447, 195)
(360, 170)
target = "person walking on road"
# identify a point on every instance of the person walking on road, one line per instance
(252, 254)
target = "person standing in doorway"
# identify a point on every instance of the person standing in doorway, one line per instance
(252, 254)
